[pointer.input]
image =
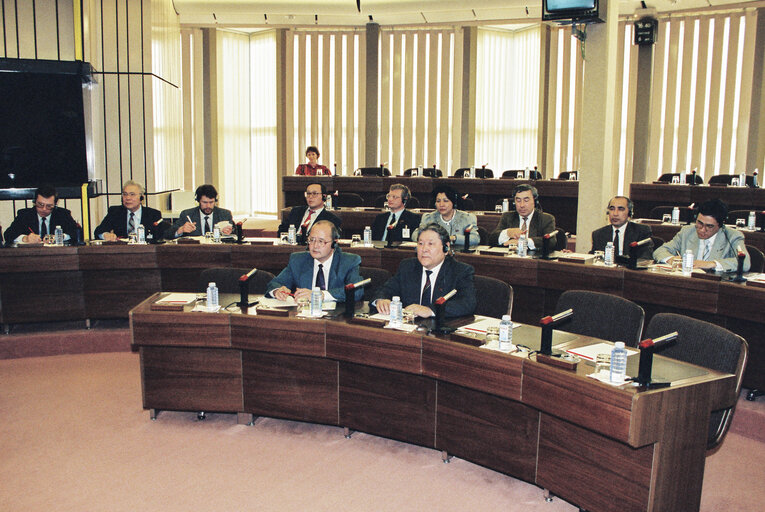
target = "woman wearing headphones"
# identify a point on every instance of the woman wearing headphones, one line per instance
(312, 168)
(454, 221)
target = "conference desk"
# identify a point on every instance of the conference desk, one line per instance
(646, 196)
(558, 197)
(601, 447)
(40, 284)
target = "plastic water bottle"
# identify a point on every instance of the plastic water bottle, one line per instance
(608, 257)
(316, 295)
(58, 237)
(522, 246)
(141, 230)
(471, 173)
(212, 297)
(688, 262)
(367, 236)
(216, 234)
(527, 173)
(328, 202)
(396, 312)
(751, 222)
(505, 333)
(291, 235)
(618, 362)
(505, 205)
(675, 216)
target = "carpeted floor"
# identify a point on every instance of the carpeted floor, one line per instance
(74, 437)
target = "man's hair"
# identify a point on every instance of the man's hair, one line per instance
(630, 204)
(449, 192)
(46, 191)
(135, 184)
(308, 150)
(405, 194)
(206, 190)
(524, 188)
(715, 208)
(437, 229)
(331, 225)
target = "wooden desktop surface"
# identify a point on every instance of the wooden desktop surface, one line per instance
(39, 284)
(600, 447)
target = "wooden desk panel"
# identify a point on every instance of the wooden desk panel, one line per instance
(113, 293)
(384, 348)
(671, 290)
(574, 276)
(41, 296)
(278, 334)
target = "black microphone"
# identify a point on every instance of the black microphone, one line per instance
(548, 322)
(350, 295)
(741, 255)
(439, 311)
(647, 348)
(389, 238)
(546, 243)
(467, 232)
(239, 233)
(244, 290)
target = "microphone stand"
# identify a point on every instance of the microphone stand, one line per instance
(350, 296)
(239, 233)
(740, 269)
(466, 248)
(647, 348)
(439, 326)
(547, 323)
(244, 291)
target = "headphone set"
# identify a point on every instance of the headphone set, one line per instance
(714, 208)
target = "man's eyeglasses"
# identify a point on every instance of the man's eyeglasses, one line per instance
(45, 206)
(708, 227)
(391, 196)
(129, 194)
(318, 241)
(312, 194)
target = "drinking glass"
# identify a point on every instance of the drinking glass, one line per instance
(740, 223)
(676, 180)
(666, 218)
(355, 240)
(303, 306)
(284, 238)
(734, 182)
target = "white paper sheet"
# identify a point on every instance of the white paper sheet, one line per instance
(590, 352)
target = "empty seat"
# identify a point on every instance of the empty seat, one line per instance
(227, 279)
(480, 172)
(756, 258)
(372, 171)
(602, 315)
(686, 214)
(348, 200)
(569, 175)
(520, 174)
(430, 172)
(496, 297)
(378, 276)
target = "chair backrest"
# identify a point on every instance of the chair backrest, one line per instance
(378, 277)
(704, 344)
(686, 213)
(372, 171)
(720, 179)
(511, 174)
(227, 279)
(349, 200)
(759, 217)
(467, 204)
(561, 240)
(602, 315)
(496, 297)
(426, 171)
(483, 235)
(568, 175)
(657, 242)
(480, 172)
(757, 259)
(667, 177)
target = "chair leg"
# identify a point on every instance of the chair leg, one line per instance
(548, 496)
(753, 394)
(347, 433)
(153, 414)
(243, 418)
(201, 416)
(445, 457)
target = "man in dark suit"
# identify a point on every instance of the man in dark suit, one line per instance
(32, 224)
(323, 265)
(621, 231)
(527, 218)
(304, 217)
(403, 221)
(122, 219)
(198, 221)
(421, 281)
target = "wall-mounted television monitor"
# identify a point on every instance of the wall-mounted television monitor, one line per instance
(42, 125)
(570, 10)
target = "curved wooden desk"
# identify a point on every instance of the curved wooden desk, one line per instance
(603, 448)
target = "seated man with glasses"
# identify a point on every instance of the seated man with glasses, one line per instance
(123, 219)
(32, 224)
(403, 221)
(323, 265)
(714, 244)
(304, 217)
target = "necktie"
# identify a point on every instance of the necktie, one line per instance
(616, 243)
(390, 223)
(43, 228)
(524, 226)
(320, 278)
(207, 224)
(706, 250)
(304, 227)
(426, 291)
(131, 223)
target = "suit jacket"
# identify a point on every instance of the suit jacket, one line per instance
(299, 274)
(26, 219)
(723, 250)
(218, 215)
(407, 218)
(453, 274)
(296, 217)
(117, 218)
(541, 224)
(634, 232)
(455, 228)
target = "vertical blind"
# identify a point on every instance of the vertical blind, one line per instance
(263, 188)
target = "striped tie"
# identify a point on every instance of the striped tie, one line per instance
(131, 223)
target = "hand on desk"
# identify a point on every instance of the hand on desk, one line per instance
(696, 263)
(32, 238)
(513, 233)
(110, 236)
(227, 229)
(284, 293)
(419, 310)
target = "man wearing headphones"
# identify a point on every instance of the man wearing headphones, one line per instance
(323, 265)
(123, 219)
(304, 217)
(421, 281)
(32, 224)
(199, 221)
(527, 218)
(714, 245)
(403, 221)
(621, 231)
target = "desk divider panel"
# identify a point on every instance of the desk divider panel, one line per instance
(279, 334)
(383, 348)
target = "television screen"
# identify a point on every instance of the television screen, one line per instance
(42, 128)
(565, 11)
(569, 5)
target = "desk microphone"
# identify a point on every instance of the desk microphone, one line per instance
(467, 232)
(546, 243)
(647, 348)
(439, 306)
(239, 232)
(632, 263)
(244, 290)
(350, 295)
(547, 324)
(741, 256)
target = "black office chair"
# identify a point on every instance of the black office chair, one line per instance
(561, 241)
(467, 204)
(757, 259)
(511, 174)
(657, 242)
(378, 276)
(686, 214)
(496, 297)
(568, 175)
(483, 236)
(726, 179)
(380, 201)
(690, 178)
(602, 315)
(480, 172)
(520, 174)
(428, 172)
(708, 345)
(348, 200)
(372, 171)
(227, 279)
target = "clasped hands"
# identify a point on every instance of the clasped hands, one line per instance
(383, 306)
(513, 234)
(696, 263)
(283, 293)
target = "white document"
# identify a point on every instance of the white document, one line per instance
(178, 298)
(403, 327)
(482, 325)
(276, 303)
(590, 352)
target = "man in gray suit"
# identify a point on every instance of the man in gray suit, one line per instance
(714, 245)
(198, 221)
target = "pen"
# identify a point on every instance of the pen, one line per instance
(190, 221)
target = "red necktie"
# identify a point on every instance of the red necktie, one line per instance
(304, 227)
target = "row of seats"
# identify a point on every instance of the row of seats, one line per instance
(695, 179)
(480, 172)
(598, 315)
